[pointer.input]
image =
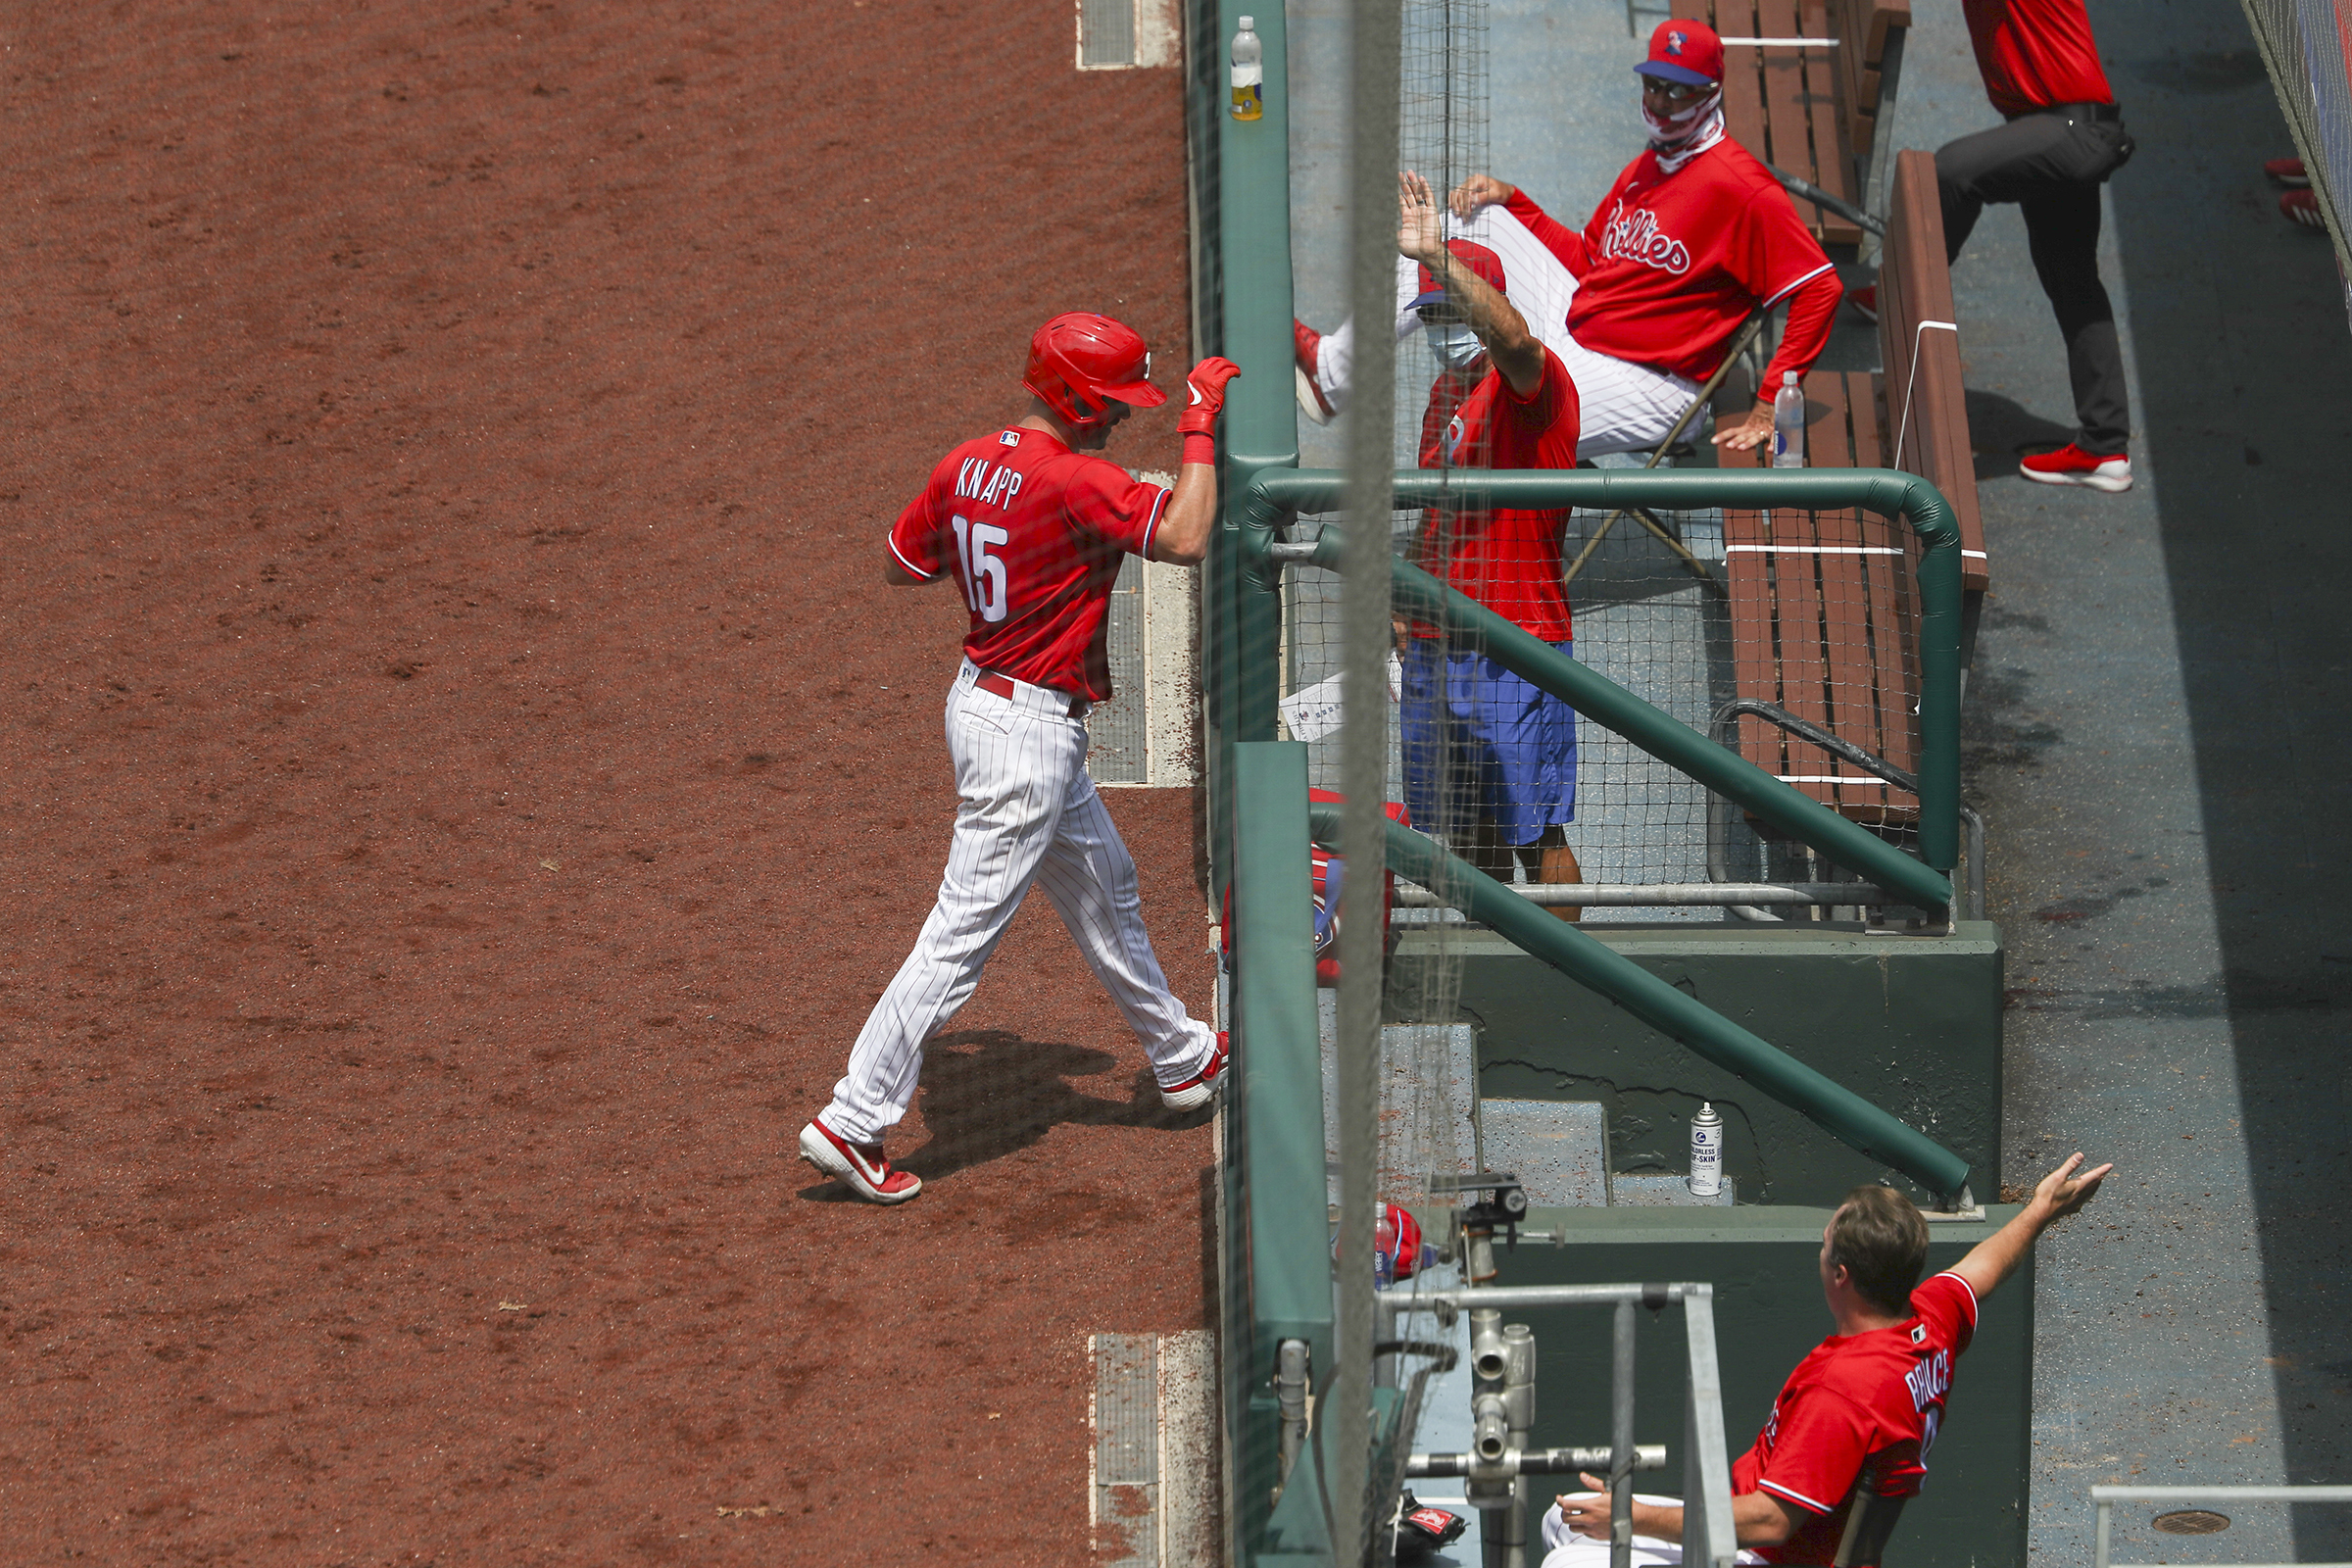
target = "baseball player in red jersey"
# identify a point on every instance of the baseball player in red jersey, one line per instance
(1863, 1410)
(1693, 235)
(1490, 758)
(1031, 526)
(2063, 137)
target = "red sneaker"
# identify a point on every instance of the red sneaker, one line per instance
(1865, 302)
(1202, 1087)
(2070, 464)
(2302, 207)
(1307, 349)
(2286, 171)
(858, 1167)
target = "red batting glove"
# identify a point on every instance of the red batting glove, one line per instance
(1205, 387)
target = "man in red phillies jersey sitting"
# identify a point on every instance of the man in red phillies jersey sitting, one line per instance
(1031, 525)
(1693, 235)
(1863, 1410)
(1490, 758)
(2064, 136)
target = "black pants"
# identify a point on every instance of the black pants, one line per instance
(2051, 163)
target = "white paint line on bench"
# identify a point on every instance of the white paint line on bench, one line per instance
(1820, 550)
(1839, 778)
(1779, 43)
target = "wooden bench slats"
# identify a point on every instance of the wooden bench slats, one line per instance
(1821, 628)
(1782, 104)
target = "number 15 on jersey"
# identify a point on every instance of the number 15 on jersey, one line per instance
(984, 584)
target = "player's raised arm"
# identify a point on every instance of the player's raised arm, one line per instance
(1183, 536)
(2056, 1195)
(1421, 236)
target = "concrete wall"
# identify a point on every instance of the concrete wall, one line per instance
(1911, 1023)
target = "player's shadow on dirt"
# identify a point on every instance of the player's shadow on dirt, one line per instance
(988, 1093)
(2000, 431)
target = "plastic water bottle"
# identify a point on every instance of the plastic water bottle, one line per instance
(1789, 423)
(1707, 1152)
(1248, 73)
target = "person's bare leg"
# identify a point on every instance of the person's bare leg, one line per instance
(1550, 860)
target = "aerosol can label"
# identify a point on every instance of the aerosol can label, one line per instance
(1707, 1152)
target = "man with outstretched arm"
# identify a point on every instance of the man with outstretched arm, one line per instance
(1862, 1410)
(1490, 758)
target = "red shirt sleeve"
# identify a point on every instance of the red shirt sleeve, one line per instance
(1559, 240)
(1947, 1305)
(1812, 310)
(1818, 1451)
(1113, 506)
(1547, 418)
(919, 540)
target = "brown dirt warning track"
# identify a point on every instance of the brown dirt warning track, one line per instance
(464, 783)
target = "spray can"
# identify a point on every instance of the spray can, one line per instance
(1248, 73)
(1707, 1152)
(1789, 423)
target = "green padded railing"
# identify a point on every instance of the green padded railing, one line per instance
(1828, 1105)
(1278, 1239)
(1273, 495)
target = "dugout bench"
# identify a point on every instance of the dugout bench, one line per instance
(1822, 617)
(1811, 110)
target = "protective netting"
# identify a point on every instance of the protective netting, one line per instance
(2307, 47)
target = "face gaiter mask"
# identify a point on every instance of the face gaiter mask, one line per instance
(1679, 137)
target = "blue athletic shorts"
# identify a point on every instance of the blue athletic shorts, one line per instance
(1489, 742)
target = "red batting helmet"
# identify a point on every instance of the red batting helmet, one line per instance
(1079, 362)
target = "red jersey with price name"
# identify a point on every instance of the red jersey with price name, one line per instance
(2036, 54)
(1034, 534)
(1670, 265)
(1872, 1400)
(1508, 560)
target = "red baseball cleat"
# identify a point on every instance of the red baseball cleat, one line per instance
(1306, 347)
(2070, 464)
(1865, 301)
(858, 1167)
(1202, 1087)
(2302, 207)
(2286, 171)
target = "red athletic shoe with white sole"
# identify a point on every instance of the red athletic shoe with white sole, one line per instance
(1202, 1087)
(1306, 347)
(2070, 464)
(2302, 207)
(861, 1170)
(2286, 171)
(1865, 301)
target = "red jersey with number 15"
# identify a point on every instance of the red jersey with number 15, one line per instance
(1034, 533)
(1862, 1408)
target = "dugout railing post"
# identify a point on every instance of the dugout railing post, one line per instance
(1277, 1257)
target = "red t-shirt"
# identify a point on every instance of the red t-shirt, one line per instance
(2033, 54)
(1508, 560)
(1034, 533)
(1877, 1397)
(1670, 265)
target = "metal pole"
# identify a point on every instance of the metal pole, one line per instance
(1375, 43)
(2098, 1554)
(1621, 1443)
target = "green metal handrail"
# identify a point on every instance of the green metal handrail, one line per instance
(1275, 493)
(1836, 1110)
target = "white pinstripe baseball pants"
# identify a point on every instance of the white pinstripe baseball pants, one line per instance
(1028, 816)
